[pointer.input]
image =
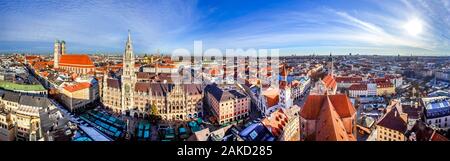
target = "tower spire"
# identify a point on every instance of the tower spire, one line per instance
(332, 67)
(129, 48)
(129, 36)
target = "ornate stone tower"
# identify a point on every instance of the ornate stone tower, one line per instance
(56, 55)
(128, 77)
(63, 47)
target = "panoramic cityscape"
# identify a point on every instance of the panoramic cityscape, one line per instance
(331, 73)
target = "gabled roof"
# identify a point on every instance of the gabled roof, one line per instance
(276, 122)
(392, 120)
(76, 60)
(113, 83)
(192, 89)
(328, 111)
(313, 104)
(145, 75)
(142, 87)
(330, 126)
(422, 131)
(329, 81)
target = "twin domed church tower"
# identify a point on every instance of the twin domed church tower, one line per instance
(60, 49)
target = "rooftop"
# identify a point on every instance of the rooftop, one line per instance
(21, 87)
(79, 60)
(393, 120)
(328, 112)
(77, 87)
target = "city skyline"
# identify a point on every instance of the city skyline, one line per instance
(295, 27)
(79, 97)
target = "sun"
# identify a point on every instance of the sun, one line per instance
(413, 27)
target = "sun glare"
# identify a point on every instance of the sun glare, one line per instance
(414, 27)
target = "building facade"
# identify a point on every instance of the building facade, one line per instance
(443, 75)
(131, 96)
(76, 96)
(437, 111)
(393, 125)
(227, 105)
(7, 131)
(358, 90)
(385, 89)
(20, 116)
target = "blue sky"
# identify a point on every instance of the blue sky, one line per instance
(299, 27)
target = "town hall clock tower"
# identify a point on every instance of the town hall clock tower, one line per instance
(128, 78)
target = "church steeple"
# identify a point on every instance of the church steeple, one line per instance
(332, 67)
(129, 37)
(129, 48)
(331, 72)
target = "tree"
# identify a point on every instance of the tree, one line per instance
(154, 114)
(154, 109)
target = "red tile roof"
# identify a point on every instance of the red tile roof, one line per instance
(393, 120)
(359, 87)
(328, 111)
(437, 137)
(382, 80)
(76, 60)
(329, 81)
(342, 105)
(313, 104)
(31, 57)
(348, 79)
(166, 66)
(40, 65)
(44, 73)
(272, 96)
(77, 87)
(330, 126)
(276, 122)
